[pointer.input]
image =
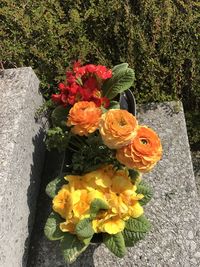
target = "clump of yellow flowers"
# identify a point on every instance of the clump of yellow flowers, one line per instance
(111, 187)
(104, 205)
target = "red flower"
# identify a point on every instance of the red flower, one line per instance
(73, 89)
(56, 98)
(62, 87)
(105, 102)
(91, 83)
(103, 73)
(77, 65)
(97, 101)
(80, 72)
(64, 99)
(90, 68)
(71, 99)
(70, 77)
(85, 94)
(83, 83)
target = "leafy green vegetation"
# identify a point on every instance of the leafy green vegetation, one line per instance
(54, 186)
(115, 243)
(159, 39)
(144, 189)
(52, 229)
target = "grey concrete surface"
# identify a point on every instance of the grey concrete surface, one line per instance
(21, 162)
(174, 211)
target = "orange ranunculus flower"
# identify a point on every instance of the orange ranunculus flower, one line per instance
(144, 151)
(117, 128)
(84, 116)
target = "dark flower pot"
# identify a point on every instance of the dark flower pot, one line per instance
(127, 101)
(96, 239)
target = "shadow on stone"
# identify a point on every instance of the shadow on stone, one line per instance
(50, 171)
(42, 252)
(85, 259)
(33, 189)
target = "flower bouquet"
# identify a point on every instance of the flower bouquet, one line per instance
(100, 194)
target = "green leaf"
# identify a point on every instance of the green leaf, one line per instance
(79, 81)
(134, 175)
(146, 190)
(96, 205)
(120, 81)
(57, 138)
(103, 110)
(86, 241)
(131, 238)
(71, 247)
(115, 243)
(114, 105)
(59, 116)
(52, 230)
(140, 224)
(84, 228)
(122, 66)
(135, 230)
(54, 186)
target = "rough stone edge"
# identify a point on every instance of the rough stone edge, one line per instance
(30, 73)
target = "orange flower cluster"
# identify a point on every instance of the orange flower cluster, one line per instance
(138, 147)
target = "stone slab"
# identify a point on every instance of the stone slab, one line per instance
(174, 211)
(21, 160)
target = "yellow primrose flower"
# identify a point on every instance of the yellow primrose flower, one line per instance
(64, 201)
(117, 204)
(112, 186)
(95, 194)
(98, 179)
(126, 204)
(82, 206)
(121, 182)
(68, 226)
(76, 182)
(111, 224)
(136, 210)
(122, 193)
(81, 209)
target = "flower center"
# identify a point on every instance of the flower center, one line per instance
(122, 122)
(143, 141)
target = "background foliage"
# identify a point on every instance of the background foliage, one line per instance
(160, 39)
